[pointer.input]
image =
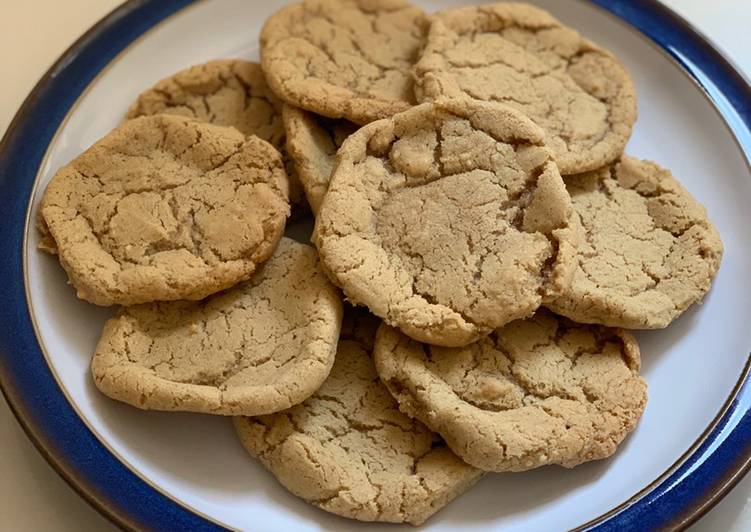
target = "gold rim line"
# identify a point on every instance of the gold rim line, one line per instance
(628, 502)
(79, 487)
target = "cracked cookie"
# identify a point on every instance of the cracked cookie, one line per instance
(538, 391)
(448, 220)
(344, 58)
(46, 242)
(348, 450)
(257, 348)
(225, 92)
(648, 250)
(312, 143)
(166, 208)
(521, 56)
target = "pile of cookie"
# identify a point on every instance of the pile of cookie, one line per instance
(473, 205)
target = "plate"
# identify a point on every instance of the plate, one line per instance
(182, 471)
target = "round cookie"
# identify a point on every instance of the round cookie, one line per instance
(447, 220)
(344, 58)
(166, 208)
(226, 92)
(648, 250)
(538, 391)
(312, 143)
(520, 55)
(260, 347)
(348, 450)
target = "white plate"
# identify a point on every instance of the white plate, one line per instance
(691, 367)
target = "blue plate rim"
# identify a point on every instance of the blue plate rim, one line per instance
(687, 490)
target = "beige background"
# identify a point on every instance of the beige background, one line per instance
(33, 33)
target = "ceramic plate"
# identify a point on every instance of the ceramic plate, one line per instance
(181, 471)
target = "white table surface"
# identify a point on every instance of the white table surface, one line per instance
(32, 35)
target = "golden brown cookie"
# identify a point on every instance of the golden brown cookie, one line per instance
(225, 92)
(520, 55)
(312, 143)
(447, 220)
(348, 450)
(46, 242)
(344, 58)
(257, 348)
(648, 250)
(166, 208)
(538, 391)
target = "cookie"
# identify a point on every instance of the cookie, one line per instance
(344, 58)
(348, 450)
(46, 242)
(538, 391)
(312, 143)
(648, 250)
(226, 92)
(166, 208)
(257, 348)
(447, 220)
(520, 55)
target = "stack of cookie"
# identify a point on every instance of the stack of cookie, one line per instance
(473, 204)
